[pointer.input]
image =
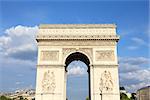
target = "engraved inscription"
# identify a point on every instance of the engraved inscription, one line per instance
(49, 55)
(105, 55)
(48, 82)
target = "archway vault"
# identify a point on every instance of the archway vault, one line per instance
(78, 56)
(94, 44)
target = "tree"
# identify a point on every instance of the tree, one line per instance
(133, 96)
(4, 98)
(122, 88)
(123, 96)
(87, 98)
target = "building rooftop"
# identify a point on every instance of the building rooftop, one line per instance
(144, 88)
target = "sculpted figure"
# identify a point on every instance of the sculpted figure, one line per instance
(48, 83)
(106, 81)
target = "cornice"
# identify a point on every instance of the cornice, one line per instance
(75, 26)
(77, 37)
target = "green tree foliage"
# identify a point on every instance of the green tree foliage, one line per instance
(4, 98)
(122, 88)
(133, 96)
(124, 97)
(87, 98)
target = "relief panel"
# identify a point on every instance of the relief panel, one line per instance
(48, 82)
(87, 51)
(106, 82)
(49, 55)
(104, 55)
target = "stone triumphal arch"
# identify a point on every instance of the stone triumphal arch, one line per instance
(94, 44)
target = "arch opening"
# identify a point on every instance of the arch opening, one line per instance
(79, 58)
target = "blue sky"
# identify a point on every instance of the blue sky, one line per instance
(18, 68)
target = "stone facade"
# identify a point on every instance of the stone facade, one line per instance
(96, 41)
(143, 93)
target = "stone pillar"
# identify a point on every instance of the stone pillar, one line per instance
(91, 82)
(50, 83)
(106, 84)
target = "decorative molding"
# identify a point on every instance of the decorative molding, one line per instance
(67, 51)
(104, 55)
(87, 51)
(78, 43)
(48, 82)
(77, 32)
(51, 66)
(49, 55)
(105, 65)
(76, 37)
(106, 82)
(76, 26)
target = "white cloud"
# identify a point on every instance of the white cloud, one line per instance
(76, 71)
(134, 72)
(138, 41)
(18, 83)
(19, 42)
(140, 75)
(132, 47)
(137, 86)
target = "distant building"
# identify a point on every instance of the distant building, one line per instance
(143, 93)
(29, 94)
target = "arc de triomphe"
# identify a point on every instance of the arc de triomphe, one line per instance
(94, 44)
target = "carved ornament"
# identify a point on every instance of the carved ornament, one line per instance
(105, 55)
(106, 82)
(48, 82)
(49, 55)
(78, 43)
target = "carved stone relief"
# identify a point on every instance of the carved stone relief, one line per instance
(106, 82)
(48, 82)
(105, 55)
(67, 51)
(78, 43)
(88, 51)
(49, 55)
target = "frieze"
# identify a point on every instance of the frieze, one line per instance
(49, 55)
(77, 37)
(77, 43)
(105, 55)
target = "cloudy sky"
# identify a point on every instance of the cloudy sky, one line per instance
(19, 20)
